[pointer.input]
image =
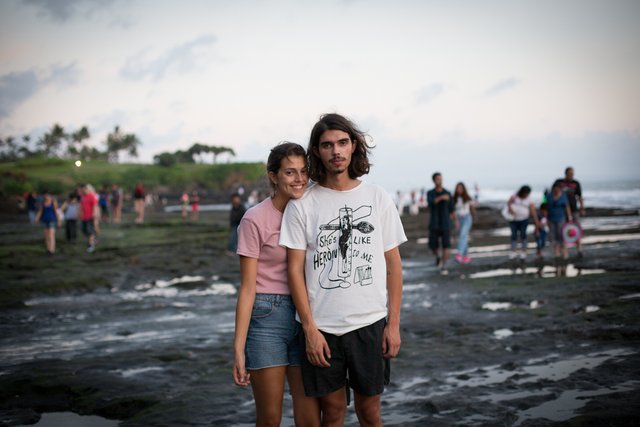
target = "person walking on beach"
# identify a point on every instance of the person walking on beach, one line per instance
(441, 210)
(235, 216)
(88, 204)
(116, 204)
(543, 230)
(465, 214)
(32, 206)
(266, 349)
(184, 200)
(559, 211)
(103, 202)
(50, 218)
(71, 210)
(521, 208)
(139, 202)
(573, 190)
(195, 205)
(345, 274)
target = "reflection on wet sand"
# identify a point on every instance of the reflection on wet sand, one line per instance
(560, 269)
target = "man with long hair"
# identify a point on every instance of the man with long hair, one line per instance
(345, 274)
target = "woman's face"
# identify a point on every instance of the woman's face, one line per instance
(459, 189)
(292, 177)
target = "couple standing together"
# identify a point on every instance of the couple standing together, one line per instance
(321, 283)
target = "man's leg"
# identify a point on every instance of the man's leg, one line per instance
(433, 245)
(368, 410)
(334, 408)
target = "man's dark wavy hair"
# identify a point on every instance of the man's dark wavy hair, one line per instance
(359, 160)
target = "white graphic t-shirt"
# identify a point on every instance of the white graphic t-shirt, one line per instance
(345, 235)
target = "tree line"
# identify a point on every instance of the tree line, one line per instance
(194, 154)
(60, 143)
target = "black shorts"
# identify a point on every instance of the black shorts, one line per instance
(87, 228)
(439, 235)
(356, 361)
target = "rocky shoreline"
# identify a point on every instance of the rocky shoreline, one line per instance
(141, 330)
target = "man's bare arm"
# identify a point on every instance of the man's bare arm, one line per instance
(391, 338)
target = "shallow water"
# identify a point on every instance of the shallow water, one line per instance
(545, 271)
(69, 419)
(124, 320)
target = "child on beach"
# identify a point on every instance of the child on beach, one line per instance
(48, 215)
(541, 232)
(559, 211)
(71, 209)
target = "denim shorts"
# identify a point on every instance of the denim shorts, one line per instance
(272, 339)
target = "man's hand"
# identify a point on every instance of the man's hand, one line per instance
(318, 352)
(390, 342)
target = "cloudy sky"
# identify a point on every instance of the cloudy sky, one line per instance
(483, 91)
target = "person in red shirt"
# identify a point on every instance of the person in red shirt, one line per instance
(88, 205)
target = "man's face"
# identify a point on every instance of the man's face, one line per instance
(437, 180)
(569, 173)
(335, 149)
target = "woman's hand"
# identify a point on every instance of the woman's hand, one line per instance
(240, 375)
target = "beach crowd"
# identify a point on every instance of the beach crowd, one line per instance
(85, 208)
(556, 219)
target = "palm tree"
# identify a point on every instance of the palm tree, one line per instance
(75, 145)
(51, 141)
(118, 141)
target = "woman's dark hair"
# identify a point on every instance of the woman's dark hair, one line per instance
(465, 195)
(360, 158)
(279, 152)
(524, 191)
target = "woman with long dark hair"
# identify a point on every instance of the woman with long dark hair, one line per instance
(465, 214)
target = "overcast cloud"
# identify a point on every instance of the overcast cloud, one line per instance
(474, 89)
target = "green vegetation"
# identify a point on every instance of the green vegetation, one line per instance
(60, 175)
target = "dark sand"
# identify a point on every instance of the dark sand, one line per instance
(109, 333)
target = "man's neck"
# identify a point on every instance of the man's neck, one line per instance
(340, 182)
(439, 188)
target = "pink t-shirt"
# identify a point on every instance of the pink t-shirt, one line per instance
(258, 237)
(88, 203)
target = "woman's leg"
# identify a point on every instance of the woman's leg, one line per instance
(514, 234)
(45, 234)
(50, 239)
(306, 410)
(523, 234)
(463, 238)
(268, 390)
